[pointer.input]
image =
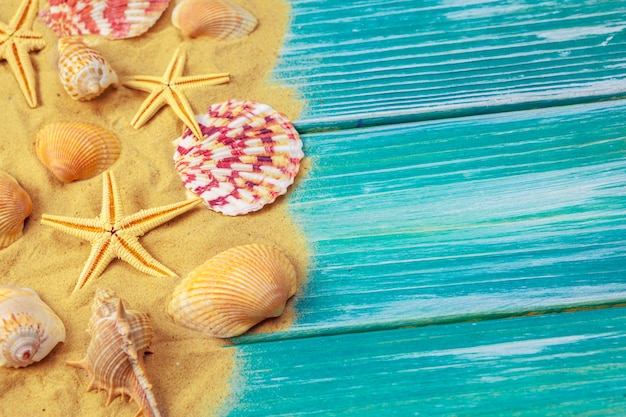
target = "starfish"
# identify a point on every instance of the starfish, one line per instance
(17, 39)
(169, 89)
(113, 235)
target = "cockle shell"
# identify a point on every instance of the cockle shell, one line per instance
(29, 329)
(119, 339)
(76, 151)
(83, 71)
(15, 207)
(234, 290)
(249, 155)
(115, 19)
(219, 19)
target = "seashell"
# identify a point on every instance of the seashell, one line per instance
(219, 19)
(234, 290)
(29, 330)
(15, 207)
(114, 19)
(84, 72)
(76, 151)
(114, 362)
(248, 157)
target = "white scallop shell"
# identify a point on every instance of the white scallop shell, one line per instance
(248, 156)
(83, 71)
(221, 19)
(29, 329)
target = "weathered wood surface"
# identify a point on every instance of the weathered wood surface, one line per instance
(469, 217)
(557, 365)
(363, 62)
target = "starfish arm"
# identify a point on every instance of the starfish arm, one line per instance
(128, 249)
(148, 108)
(143, 82)
(196, 81)
(145, 220)
(22, 68)
(102, 253)
(182, 108)
(112, 209)
(176, 66)
(86, 229)
(25, 15)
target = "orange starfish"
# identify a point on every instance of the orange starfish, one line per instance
(17, 39)
(169, 89)
(113, 235)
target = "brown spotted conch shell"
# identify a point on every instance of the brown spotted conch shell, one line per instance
(219, 19)
(234, 290)
(119, 339)
(15, 207)
(29, 329)
(76, 151)
(83, 71)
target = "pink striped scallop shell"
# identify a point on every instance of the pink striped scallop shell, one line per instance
(249, 155)
(115, 19)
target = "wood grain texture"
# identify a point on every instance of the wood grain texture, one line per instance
(460, 219)
(557, 365)
(367, 62)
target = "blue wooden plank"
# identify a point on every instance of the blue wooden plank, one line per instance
(487, 215)
(364, 62)
(556, 365)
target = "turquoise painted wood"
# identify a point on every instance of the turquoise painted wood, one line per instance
(471, 217)
(557, 365)
(364, 62)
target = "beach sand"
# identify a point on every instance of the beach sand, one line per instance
(190, 374)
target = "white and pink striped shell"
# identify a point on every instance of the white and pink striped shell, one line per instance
(115, 19)
(114, 362)
(249, 155)
(29, 329)
(83, 71)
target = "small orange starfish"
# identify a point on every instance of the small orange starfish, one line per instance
(113, 235)
(169, 89)
(17, 39)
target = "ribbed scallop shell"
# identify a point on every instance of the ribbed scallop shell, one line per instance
(83, 71)
(219, 19)
(29, 329)
(249, 155)
(115, 19)
(76, 151)
(119, 339)
(15, 207)
(234, 290)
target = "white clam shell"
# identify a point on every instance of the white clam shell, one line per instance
(29, 329)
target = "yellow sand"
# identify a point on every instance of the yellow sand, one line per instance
(190, 374)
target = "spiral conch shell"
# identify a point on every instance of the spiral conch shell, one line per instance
(234, 290)
(119, 339)
(15, 207)
(76, 151)
(219, 19)
(84, 72)
(29, 329)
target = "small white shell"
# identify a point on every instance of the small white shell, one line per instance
(29, 329)
(220, 19)
(84, 72)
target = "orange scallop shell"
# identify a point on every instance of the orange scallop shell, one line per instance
(76, 151)
(234, 290)
(15, 207)
(219, 19)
